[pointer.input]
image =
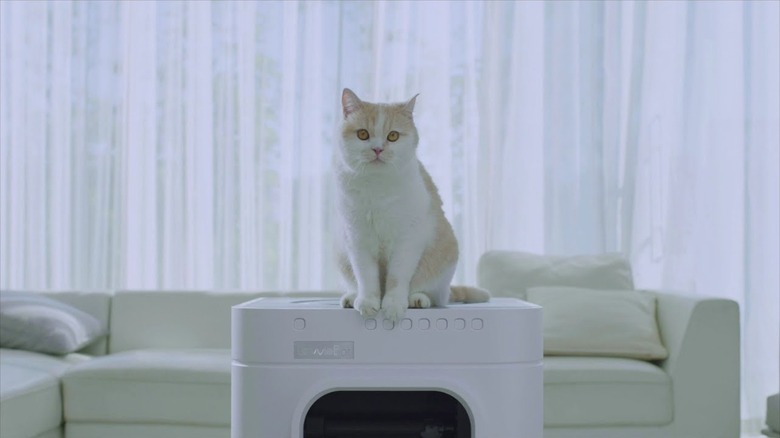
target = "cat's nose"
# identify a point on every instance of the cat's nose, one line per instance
(377, 151)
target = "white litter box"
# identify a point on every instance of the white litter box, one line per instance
(306, 368)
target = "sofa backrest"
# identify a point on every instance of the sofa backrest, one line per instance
(511, 273)
(97, 304)
(173, 319)
(179, 319)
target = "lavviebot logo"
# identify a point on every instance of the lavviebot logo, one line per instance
(324, 350)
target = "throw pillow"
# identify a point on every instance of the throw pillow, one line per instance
(33, 322)
(590, 322)
(511, 273)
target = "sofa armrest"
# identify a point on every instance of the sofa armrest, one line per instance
(702, 335)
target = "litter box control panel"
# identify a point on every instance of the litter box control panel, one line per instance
(423, 324)
(426, 324)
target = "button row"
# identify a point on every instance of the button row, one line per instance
(426, 324)
(408, 324)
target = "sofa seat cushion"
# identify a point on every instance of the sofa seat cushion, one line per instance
(605, 392)
(189, 387)
(50, 364)
(116, 430)
(30, 396)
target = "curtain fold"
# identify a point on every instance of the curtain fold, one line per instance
(187, 145)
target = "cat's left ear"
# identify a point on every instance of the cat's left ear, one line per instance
(409, 106)
(350, 102)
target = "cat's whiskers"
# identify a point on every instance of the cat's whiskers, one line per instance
(357, 171)
(395, 166)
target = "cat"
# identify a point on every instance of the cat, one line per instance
(398, 249)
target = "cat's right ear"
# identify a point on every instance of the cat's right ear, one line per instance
(409, 106)
(350, 102)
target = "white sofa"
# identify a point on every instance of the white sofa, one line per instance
(164, 372)
(693, 393)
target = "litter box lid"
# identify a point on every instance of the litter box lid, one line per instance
(306, 331)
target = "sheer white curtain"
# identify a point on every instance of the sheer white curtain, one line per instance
(187, 144)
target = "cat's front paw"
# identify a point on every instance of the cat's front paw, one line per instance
(367, 306)
(348, 300)
(394, 307)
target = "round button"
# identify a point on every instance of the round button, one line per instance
(460, 324)
(388, 324)
(406, 324)
(425, 323)
(299, 324)
(371, 324)
(441, 324)
(477, 324)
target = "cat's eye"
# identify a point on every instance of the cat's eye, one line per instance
(362, 134)
(392, 136)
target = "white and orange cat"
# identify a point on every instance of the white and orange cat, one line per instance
(398, 248)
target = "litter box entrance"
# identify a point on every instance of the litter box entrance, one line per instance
(385, 414)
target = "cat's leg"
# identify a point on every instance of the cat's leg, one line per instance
(368, 298)
(350, 283)
(435, 289)
(401, 268)
(430, 285)
(440, 295)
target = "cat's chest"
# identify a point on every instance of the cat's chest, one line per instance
(388, 207)
(387, 210)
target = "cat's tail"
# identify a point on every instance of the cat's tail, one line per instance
(468, 294)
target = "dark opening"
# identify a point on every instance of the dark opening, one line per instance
(397, 414)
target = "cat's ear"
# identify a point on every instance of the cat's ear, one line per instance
(409, 106)
(350, 102)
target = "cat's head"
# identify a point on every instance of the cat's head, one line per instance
(377, 136)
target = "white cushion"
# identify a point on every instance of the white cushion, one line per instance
(605, 392)
(511, 273)
(189, 387)
(30, 389)
(30, 401)
(96, 303)
(589, 322)
(34, 322)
